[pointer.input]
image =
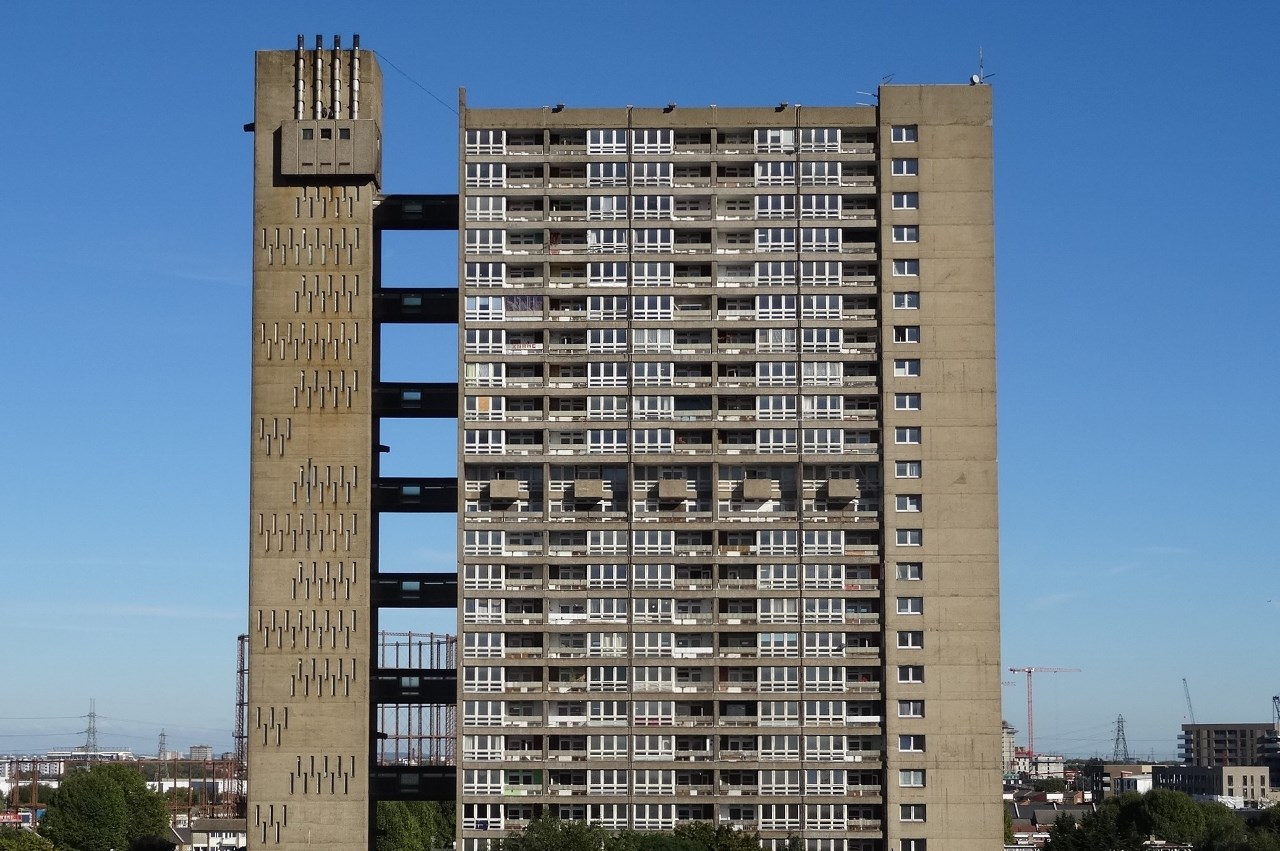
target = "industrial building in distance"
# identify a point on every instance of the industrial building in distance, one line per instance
(726, 469)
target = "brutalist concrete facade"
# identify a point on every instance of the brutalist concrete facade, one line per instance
(728, 494)
(727, 471)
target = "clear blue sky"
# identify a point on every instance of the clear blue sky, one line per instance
(1137, 191)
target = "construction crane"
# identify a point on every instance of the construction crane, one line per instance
(1031, 726)
(1186, 690)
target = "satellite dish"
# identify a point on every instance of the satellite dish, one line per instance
(975, 80)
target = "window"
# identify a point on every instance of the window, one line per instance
(906, 333)
(906, 301)
(775, 239)
(486, 241)
(486, 208)
(821, 273)
(775, 140)
(911, 673)
(486, 175)
(907, 502)
(906, 233)
(906, 367)
(821, 339)
(654, 373)
(652, 141)
(486, 274)
(910, 570)
(820, 239)
(903, 133)
(911, 743)
(905, 167)
(910, 640)
(606, 174)
(607, 240)
(820, 139)
(910, 537)
(606, 274)
(820, 174)
(651, 174)
(911, 777)
(776, 173)
(606, 340)
(606, 307)
(911, 812)
(913, 844)
(653, 274)
(906, 434)
(906, 269)
(906, 401)
(775, 206)
(906, 469)
(906, 200)
(910, 708)
(606, 142)
(652, 207)
(606, 207)
(819, 206)
(776, 273)
(653, 239)
(652, 307)
(607, 374)
(486, 141)
(910, 605)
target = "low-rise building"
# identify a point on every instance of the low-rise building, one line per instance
(1236, 786)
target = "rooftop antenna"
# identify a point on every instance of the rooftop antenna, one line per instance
(980, 78)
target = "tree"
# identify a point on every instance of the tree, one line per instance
(107, 807)
(87, 813)
(147, 814)
(414, 825)
(720, 837)
(18, 839)
(1050, 784)
(151, 843)
(1223, 829)
(1164, 814)
(1008, 827)
(21, 795)
(552, 834)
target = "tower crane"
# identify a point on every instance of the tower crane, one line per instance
(1186, 690)
(1031, 728)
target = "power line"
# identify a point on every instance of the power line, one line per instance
(384, 58)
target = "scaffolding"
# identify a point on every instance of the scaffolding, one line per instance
(417, 734)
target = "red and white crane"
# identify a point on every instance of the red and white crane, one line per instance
(1031, 723)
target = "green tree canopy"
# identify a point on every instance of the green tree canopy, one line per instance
(552, 834)
(107, 807)
(87, 813)
(21, 795)
(414, 825)
(18, 839)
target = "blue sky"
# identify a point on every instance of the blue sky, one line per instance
(1136, 268)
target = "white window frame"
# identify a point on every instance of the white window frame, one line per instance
(906, 368)
(906, 267)
(906, 200)
(904, 133)
(909, 571)
(486, 175)
(907, 469)
(906, 233)
(909, 537)
(486, 208)
(904, 167)
(606, 141)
